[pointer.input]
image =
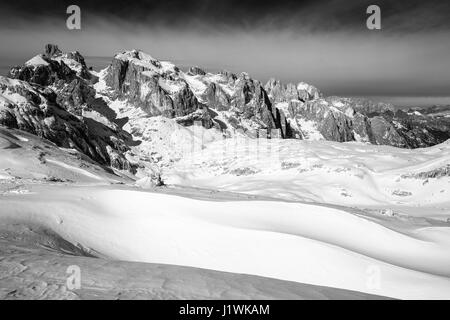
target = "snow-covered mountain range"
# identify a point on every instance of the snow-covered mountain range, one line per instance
(282, 191)
(56, 96)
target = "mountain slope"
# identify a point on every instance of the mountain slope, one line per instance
(75, 107)
(105, 215)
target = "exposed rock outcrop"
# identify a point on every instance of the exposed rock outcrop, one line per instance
(147, 83)
(161, 88)
(35, 110)
(313, 116)
(286, 93)
(55, 96)
(52, 96)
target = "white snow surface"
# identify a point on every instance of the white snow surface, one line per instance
(36, 61)
(325, 172)
(309, 129)
(400, 254)
(289, 241)
(37, 260)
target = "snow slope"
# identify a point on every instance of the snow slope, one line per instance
(25, 158)
(35, 264)
(33, 236)
(389, 246)
(396, 244)
(289, 241)
(351, 174)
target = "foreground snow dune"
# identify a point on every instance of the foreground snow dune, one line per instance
(289, 241)
(33, 268)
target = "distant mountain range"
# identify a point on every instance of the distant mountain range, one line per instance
(56, 96)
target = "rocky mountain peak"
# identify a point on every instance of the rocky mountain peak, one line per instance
(302, 91)
(196, 71)
(53, 67)
(229, 75)
(52, 96)
(51, 50)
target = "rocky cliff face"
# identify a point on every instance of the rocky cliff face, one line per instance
(337, 121)
(291, 92)
(52, 67)
(52, 96)
(66, 74)
(225, 100)
(313, 116)
(421, 127)
(229, 102)
(147, 83)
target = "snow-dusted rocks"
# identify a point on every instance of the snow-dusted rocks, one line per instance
(52, 50)
(196, 71)
(35, 109)
(285, 93)
(153, 86)
(231, 102)
(58, 103)
(161, 88)
(314, 117)
(113, 108)
(52, 68)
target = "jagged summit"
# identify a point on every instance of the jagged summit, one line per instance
(196, 71)
(302, 91)
(51, 50)
(106, 114)
(52, 96)
(227, 101)
(51, 66)
(145, 60)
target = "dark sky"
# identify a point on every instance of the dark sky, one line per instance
(325, 43)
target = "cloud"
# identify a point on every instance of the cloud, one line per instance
(326, 44)
(398, 16)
